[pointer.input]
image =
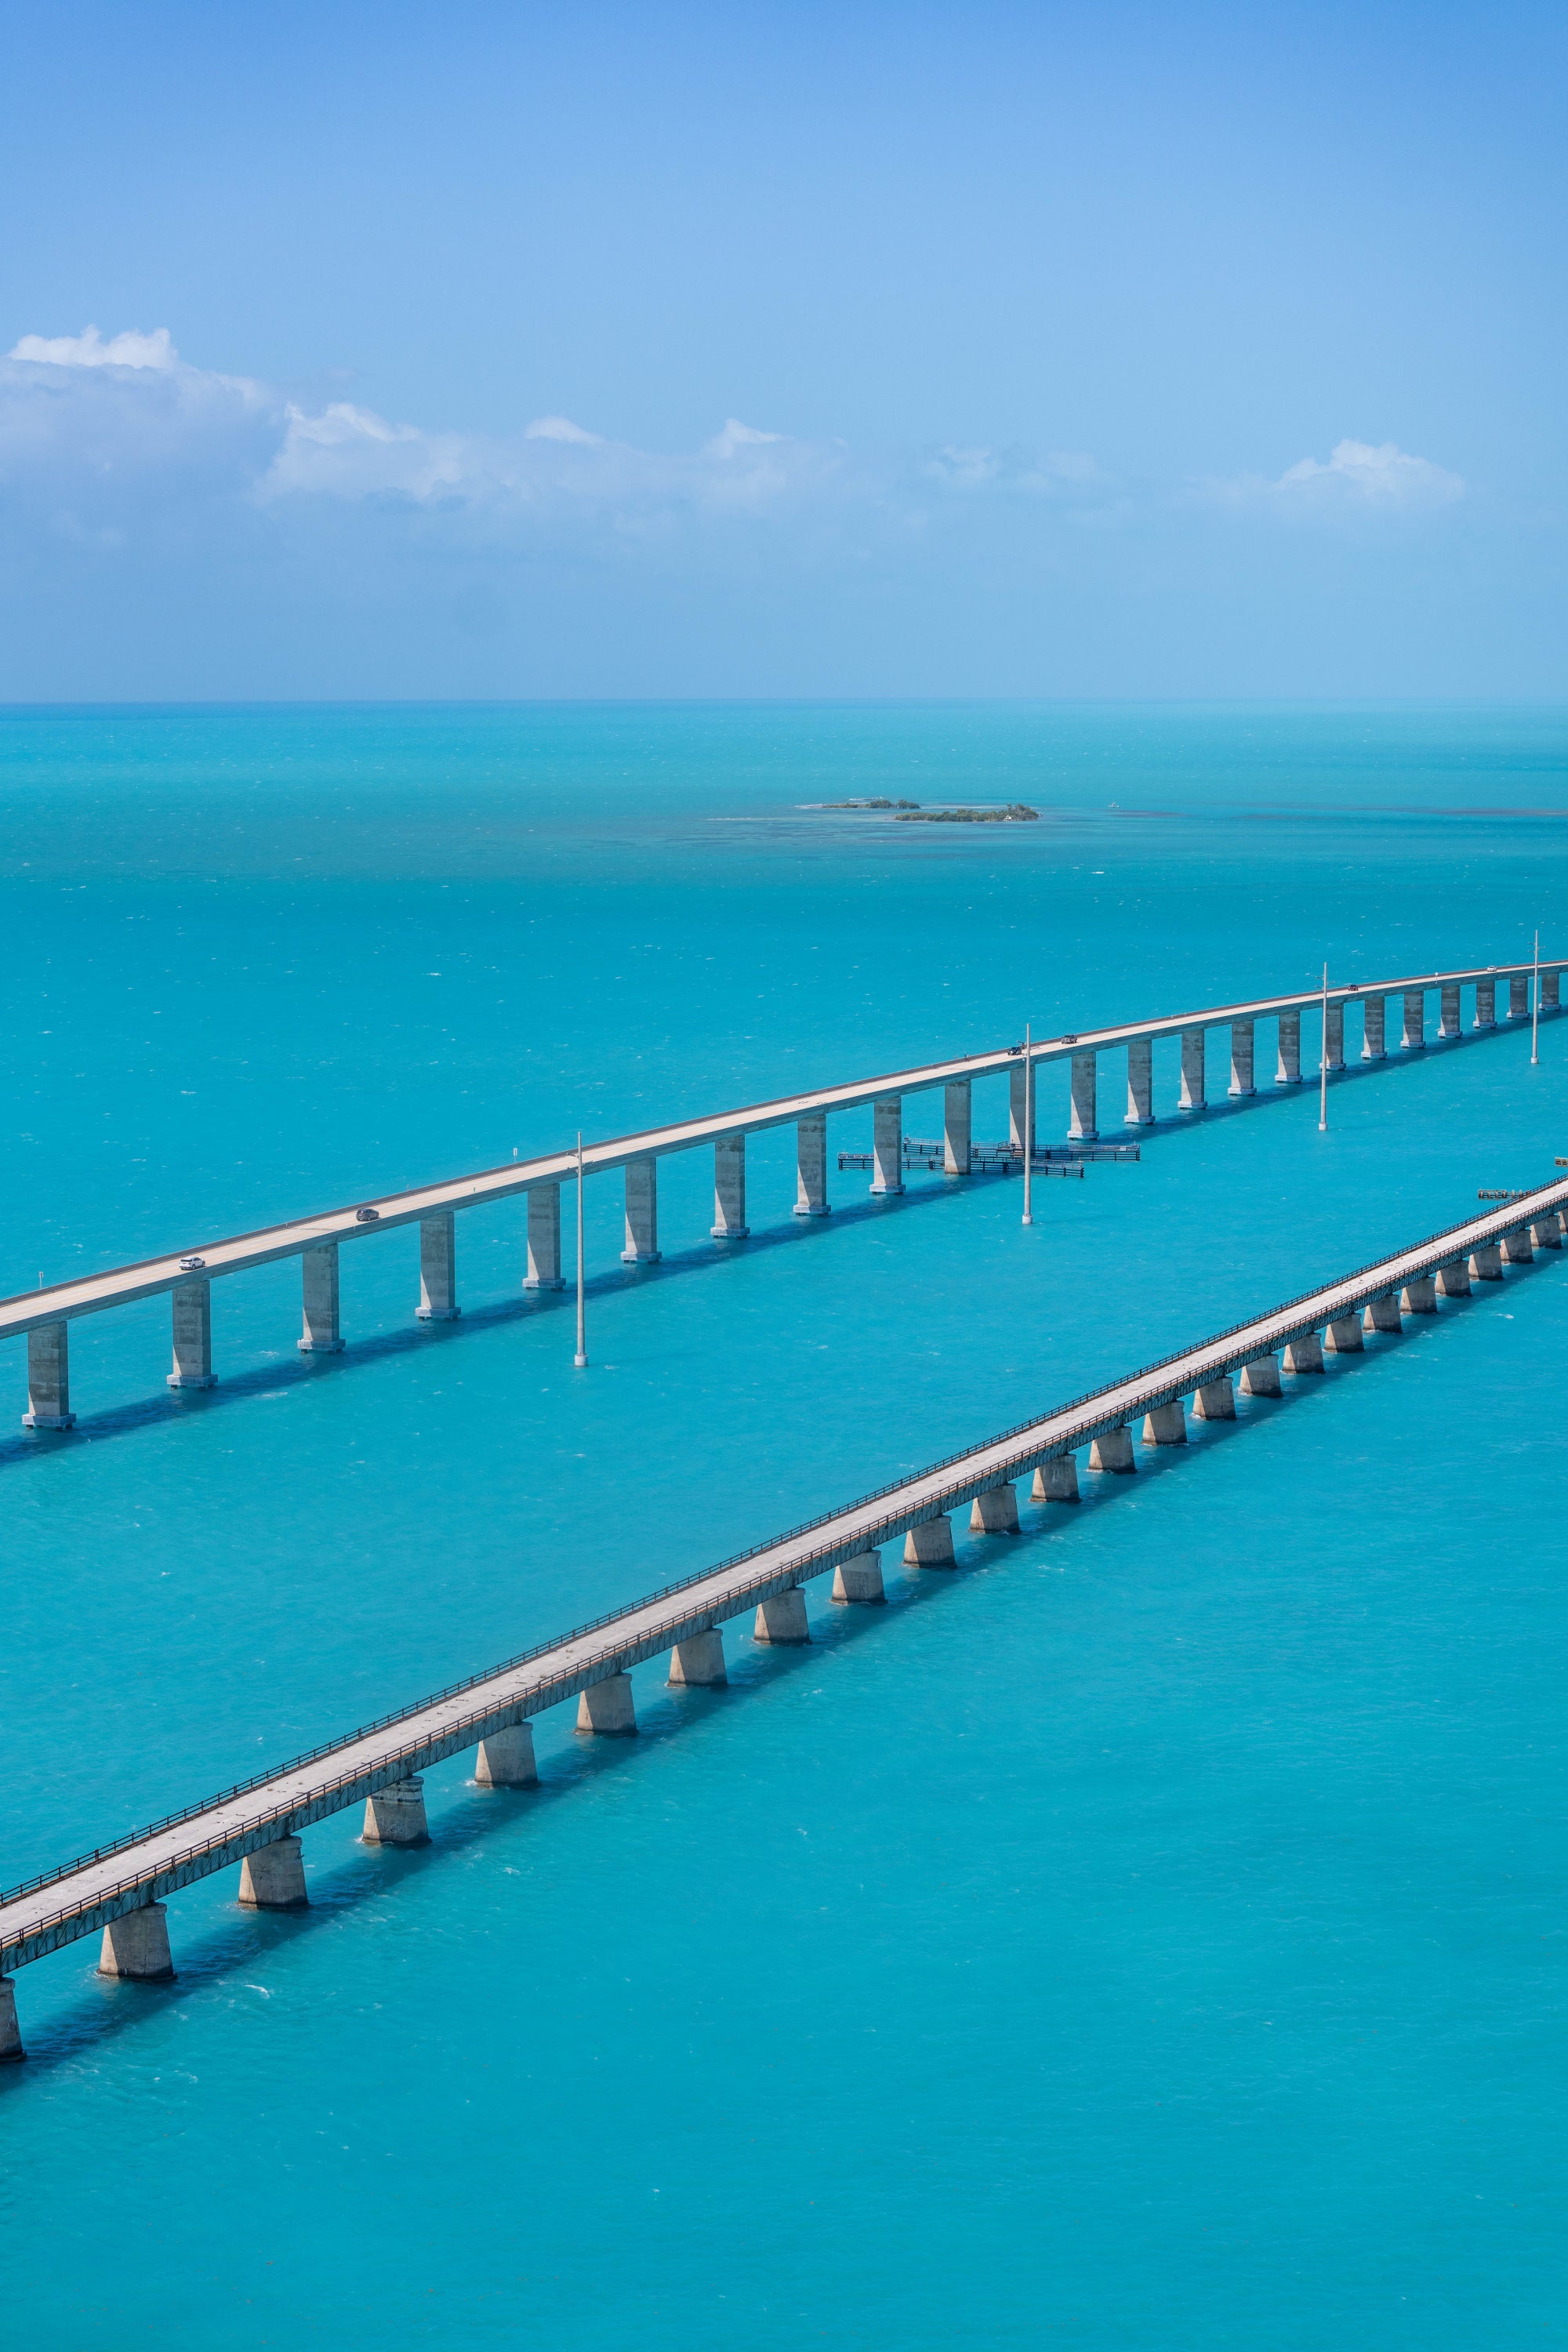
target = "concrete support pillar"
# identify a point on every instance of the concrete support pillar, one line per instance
(1414, 1040)
(1449, 1014)
(1140, 1082)
(995, 1512)
(1241, 1055)
(319, 1282)
(273, 1877)
(1304, 1353)
(1419, 1296)
(1454, 1279)
(730, 1188)
(1486, 1005)
(438, 1269)
(1167, 1424)
(1215, 1401)
(1518, 996)
(137, 1945)
(1383, 1314)
(1289, 1070)
(1017, 1090)
(1055, 1481)
(1113, 1450)
(1261, 1377)
(193, 1333)
(1192, 1098)
(1516, 1248)
(642, 1213)
(1084, 1125)
(888, 1144)
(783, 1620)
(607, 1708)
(811, 1167)
(1546, 1232)
(859, 1579)
(11, 2050)
(930, 1545)
(1373, 1045)
(505, 1758)
(1550, 985)
(1343, 1337)
(1335, 1049)
(1486, 1263)
(395, 1814)
(544, 1238)
(698, 1663)
(48, 1379)
(956, 1116)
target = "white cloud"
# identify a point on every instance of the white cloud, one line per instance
(130, 348)
(1357, 478)
(737, 437)
(977, 468)
(560, 428)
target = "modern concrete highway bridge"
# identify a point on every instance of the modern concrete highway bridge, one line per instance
(119, 1889)
(46, 1314)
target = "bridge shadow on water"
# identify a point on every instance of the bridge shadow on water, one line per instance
(216, 1951)
(163, 1407)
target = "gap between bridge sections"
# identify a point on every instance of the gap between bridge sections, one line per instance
(44, 1315)
(119, 1887)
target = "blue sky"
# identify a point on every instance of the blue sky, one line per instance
(783, 349)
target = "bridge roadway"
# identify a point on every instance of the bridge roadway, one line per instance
(61, 1302)
(85, 1894)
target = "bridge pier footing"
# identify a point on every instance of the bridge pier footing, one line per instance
(1261, 1377)
(48, 1379)
(1304, 1353)
(1419, 1297)
(319, 1292)
(137, 1945)
(544, 1238)
(606, 1708)
(1112, 1450)
(273, 1877)
(1215, 1401)
(930, 1545)
(437, 1270)
(1055, 1481)
(1343, 1337)
(505, 1758)
(395, 1814)
(698, 1663)
(11, 2051)
(192, 1320)
(1486, 1263)
(783, 1618)
(1454, 1279)
(859, 1578)
(1165, 1424)
(995, 1512)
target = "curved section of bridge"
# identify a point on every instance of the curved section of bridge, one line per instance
(119, 1887)
(45, 1315)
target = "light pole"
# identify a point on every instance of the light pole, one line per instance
(1323, 1064)
(581, 1357)
(1028, 1128)
(1535, 1006)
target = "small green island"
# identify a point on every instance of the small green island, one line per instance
(1016, 813)
(868, 805)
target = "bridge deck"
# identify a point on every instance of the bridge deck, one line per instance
(63, 1301)
(84, 1895)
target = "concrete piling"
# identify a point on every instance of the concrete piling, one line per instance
(273, 1877)
(606, 1708)
(1419, 1296)
(136, 1944)
(956, 1118)
(1242, 1042)
(1551, 991)
(1486, 1263)
(1140, 1082)
(698, 1662)
(1055, 1481)
(1022, 1106)
(544, 1238)
(1383, 1314)
(1334, 1052)
(319, 1289)
(48, 1379)
(438, 1269)
(1518, 996)
(1215, 1401)
(1112, 1451)
(1372, 1040)
(1192, 1094)
(11, 2050)
(1546, 1233)
(642, 1213)
(1083, 1125)
(859, 1579)
(730, 1188)
(1261, 1377)
(395, 1814)
(1289, 1070)
(930, 1545)
(1413, 1039)
(1448, 1023)
(193, 1335)
(995, 1512)
(888, 1144)
(783, 1620)
(1516, 1246)
(1167, 1424)
(1454, 1279)
(1486, 1005)
(505, 1758)
(1304, 1353)
(1343, 1337)
(811, 1167)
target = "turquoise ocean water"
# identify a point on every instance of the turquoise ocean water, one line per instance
(1152, 1935)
